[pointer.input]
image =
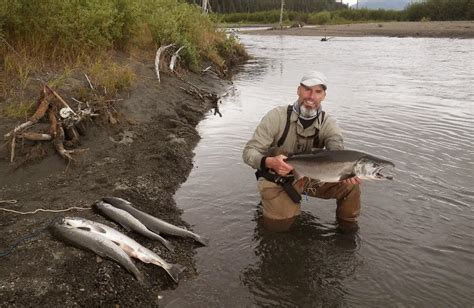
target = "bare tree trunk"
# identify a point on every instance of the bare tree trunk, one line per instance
(281, 13)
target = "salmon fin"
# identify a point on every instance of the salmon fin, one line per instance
(175, 271)
(126, 227)
(167, 244)
(127, 249)
(100, 229)
(316, 151)
(203, 240)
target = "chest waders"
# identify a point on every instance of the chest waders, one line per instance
(287, 181)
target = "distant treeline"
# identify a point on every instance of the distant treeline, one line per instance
(250, 6)
(435, 10)
(440, 10)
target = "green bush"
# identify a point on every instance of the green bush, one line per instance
(321, 18)
(71, 28)
(67, 26)
(441, 10)
(266, 17)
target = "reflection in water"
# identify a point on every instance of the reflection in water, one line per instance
(304, 266)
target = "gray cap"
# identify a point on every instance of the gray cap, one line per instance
(313, 78)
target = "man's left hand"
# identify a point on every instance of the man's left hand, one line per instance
(354, 180)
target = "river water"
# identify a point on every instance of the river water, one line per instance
(409, 100)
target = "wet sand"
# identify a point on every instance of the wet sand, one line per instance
(447, 29)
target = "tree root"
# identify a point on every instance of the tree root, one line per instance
(65, 125)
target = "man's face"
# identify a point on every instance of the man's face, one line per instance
(311, 97)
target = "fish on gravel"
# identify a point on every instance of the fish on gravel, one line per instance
(129, 222)
(95, 243)
(334, 166)
(153, 223)
(127, 244)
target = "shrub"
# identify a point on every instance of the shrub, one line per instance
(110, 78)
(320, 18)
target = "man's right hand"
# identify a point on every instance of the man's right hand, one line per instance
(278, 165)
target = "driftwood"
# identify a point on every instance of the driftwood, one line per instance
(89, 81)
(157, 59)
(59, 98)
(207, 97)
(12, 149)
(40, 111)
(65, 124)
(174, 57)
(35, 136)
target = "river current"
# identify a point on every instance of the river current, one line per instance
(409, 100)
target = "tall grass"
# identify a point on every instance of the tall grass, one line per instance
(69, 29)
(51, 34)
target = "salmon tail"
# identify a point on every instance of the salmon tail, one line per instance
(174, 270)
(203, 240)
(167, 244)
(140, 277)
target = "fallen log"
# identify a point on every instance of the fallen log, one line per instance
(59, 146)
(72, 135)
(59, 98)
(53, 122)
(35, 136)
(39, 113)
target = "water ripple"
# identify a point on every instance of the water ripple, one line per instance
(415, 243)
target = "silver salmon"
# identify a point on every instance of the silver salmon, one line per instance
(334, 166)
(129, 222)
(155, 224)
(96, 243)
(130, 246)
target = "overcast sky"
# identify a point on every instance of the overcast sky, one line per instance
(349, 1)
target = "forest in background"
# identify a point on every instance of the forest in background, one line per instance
(250, 6)
(329, 12)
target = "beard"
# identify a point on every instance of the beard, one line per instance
(306, 112)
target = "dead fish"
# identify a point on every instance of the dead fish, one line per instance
(130, 246)
(334, 166)
(96, 243)
(129, 222)
(155, 224)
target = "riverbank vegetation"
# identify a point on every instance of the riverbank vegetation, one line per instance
(429, 10)
(49, 40)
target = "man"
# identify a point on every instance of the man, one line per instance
(295, 129)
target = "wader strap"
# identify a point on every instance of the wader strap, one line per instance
(285, 182)
(316, 135)
(289, 110)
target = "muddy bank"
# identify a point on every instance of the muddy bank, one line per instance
(144, 159)
(449, 29)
